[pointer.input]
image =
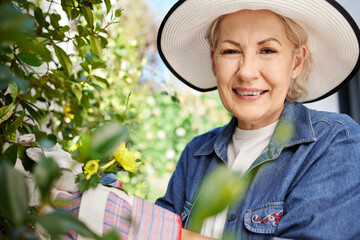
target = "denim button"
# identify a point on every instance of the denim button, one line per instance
(232, 217)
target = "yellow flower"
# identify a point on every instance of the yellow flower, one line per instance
(126, 159)
(109, 164)
(67, 113)
(91, 167)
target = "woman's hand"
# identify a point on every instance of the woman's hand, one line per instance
(188, 235)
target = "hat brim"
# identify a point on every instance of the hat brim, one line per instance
(334, 40)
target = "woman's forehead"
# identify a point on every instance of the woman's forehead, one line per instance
(244, 17)
(262, 23)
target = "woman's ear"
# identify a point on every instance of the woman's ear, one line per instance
(213, 67)
(299, 58)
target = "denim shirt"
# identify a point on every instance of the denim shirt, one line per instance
(307, 181)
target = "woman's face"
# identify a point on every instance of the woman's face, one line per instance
(253, 62)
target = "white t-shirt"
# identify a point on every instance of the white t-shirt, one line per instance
(244, 148)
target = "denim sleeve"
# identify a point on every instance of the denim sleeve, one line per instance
(325, 202)
(174, 199)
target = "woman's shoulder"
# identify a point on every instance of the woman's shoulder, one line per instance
(334, 122)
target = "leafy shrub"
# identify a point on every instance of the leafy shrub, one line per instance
(48, 83)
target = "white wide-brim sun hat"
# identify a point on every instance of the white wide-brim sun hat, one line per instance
(334, 40)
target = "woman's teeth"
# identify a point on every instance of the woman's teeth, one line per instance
(249, 93)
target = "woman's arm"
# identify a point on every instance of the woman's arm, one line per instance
(325, 202)
(188, 235)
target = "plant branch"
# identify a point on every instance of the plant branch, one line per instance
(48, 11)
(21, 63)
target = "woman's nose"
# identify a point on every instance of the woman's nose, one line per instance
(248, 68)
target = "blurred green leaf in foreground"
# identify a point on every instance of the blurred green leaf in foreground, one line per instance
(220, 189)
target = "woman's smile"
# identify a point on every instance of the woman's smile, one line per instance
(244, 92)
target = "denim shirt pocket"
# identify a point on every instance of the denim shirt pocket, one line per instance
(186, 211)
(264, 219)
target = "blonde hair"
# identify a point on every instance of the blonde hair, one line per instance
(297, 35)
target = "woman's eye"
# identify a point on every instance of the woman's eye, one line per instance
(267, 51)
(229, 51)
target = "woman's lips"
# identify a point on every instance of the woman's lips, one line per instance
(250, 94)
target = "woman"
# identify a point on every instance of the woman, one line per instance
(266, 58)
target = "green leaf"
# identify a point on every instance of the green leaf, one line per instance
(40, 49)
(14, 198)
(54, 20)
(64, 60)
(96, 1)
(46, 172)
(108, 6)
(95, 45)
(7, 99)
(74, 13)
(30, 59)
(64, 29)
(7, 76)
(34, 111)
(36, 46)
(60, 222)
(106, 139)
(82, 33)
(27, 162)
(14, 90)
(88, 15)
(38, 134)
(14, 24)
(85, 184)
(78, 93)
(39, 16)
(102, 80)
(118, 12)
(10, 155)
(84, 150)
(96, 86)
(67, 7)
(112, 235)
(4, 56)
(219, 190)
(97, 65)
(104, 41)
(285, 132)
(85, 100)
(81, 42)
(14, 126)
(85, 66)
(81, 53)
(48, 142)
(5, 112)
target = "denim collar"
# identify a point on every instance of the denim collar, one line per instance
(294, 127)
